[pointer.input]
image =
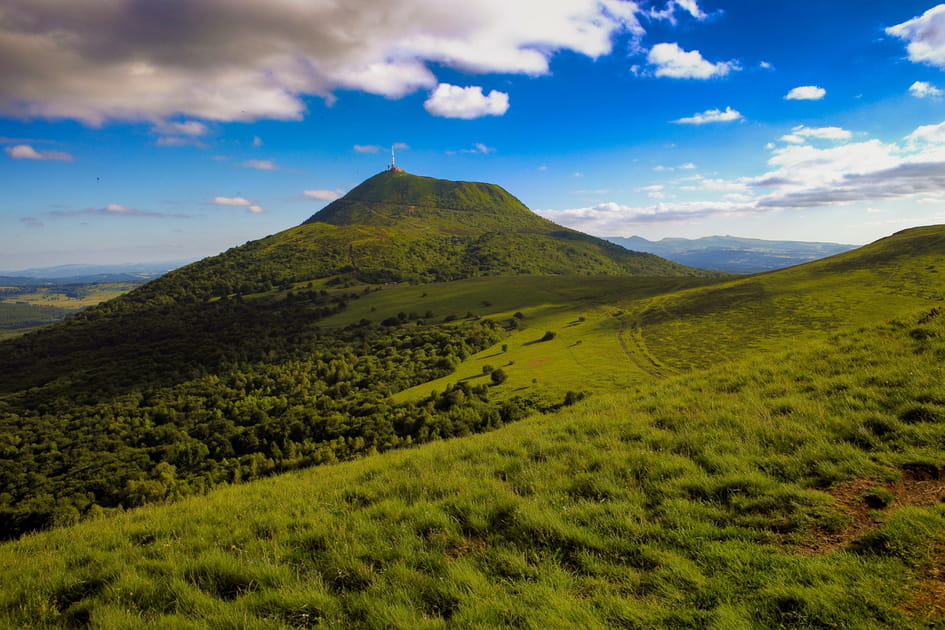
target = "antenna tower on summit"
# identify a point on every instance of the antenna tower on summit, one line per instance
(392, 167)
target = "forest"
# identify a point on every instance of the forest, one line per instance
(120, 407)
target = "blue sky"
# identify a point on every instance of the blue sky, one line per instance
(138, 131)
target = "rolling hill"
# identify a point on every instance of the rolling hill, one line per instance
(799, 488)
(181, 384)
(721, 474)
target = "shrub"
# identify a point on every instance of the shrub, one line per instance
(499, 376)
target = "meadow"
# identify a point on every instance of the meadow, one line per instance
(802, 490)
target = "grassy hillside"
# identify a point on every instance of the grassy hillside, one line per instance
(400, 227)
(801, 490)
(184, 396)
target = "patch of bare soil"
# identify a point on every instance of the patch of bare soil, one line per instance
(916, 489)
(913, 489)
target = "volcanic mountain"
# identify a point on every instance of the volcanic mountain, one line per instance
(401, 227)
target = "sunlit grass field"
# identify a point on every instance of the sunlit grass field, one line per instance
(699, 502)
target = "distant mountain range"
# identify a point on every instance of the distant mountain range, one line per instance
(76, 274)
(731, 253)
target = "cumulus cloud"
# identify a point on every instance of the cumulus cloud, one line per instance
(669, 11)
(242, 61)
(715, 185)
(927, 134)
(366, 148)
(711, 116)
(672, 61)
(26, 152)
(925, 35)
(801, 133)
(323, 195)
(806, 93)
(453, 101)
(261, 165)
(230, 201)
(239, 202)
(799, 177)
(692, 6)
(922, 89)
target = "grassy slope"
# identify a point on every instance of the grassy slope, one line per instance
(638, 329)
(694, 503)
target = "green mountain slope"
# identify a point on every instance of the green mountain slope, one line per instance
(795, 490)
(396, 227)
(170, 397)
(398, 198)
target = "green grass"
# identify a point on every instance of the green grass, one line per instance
(26, 309)
(683, 504)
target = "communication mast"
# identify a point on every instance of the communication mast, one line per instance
(392, 167)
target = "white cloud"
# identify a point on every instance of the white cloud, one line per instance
(688, 166)
(674, 62)
(187, 128)
(238, 202)
(806, 93)
(323, 195)
(764, 65)
(654, 188)
(711, 116)
(478, 147)
(692, 6)
(926, 36)
(257, 141)
(614, 219)
(801, 133)
(799, 177)
(669, 11)
(453, 101)
(230, 201)
(26, 152)
(242, 61)
(366, 148)
(715, 185)
(922, 89)
(261, 165)
(927, 134)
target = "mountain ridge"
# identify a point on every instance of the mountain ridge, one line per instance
(733, 254)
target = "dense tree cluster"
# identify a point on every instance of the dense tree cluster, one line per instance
(115, 408)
